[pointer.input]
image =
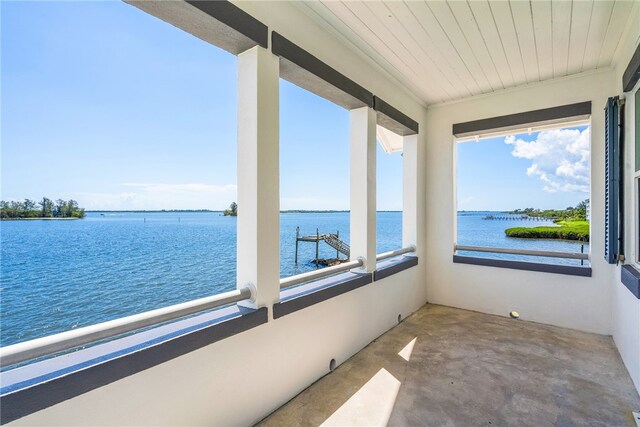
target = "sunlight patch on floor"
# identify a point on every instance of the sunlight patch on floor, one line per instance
(405, 353)
(369, 406)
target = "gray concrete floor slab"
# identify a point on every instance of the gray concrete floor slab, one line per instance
(449, 367)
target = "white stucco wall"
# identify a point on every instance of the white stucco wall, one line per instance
(240, 380)
(569, 301)
(625, 306)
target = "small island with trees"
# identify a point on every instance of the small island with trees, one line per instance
(45, 209)
(232, 211)
(572, 224)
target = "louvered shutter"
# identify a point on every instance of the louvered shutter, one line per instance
(612, 180)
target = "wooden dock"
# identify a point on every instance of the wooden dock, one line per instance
(333, 240)
(507, 217)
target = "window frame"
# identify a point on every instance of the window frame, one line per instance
(570, 115)
(635, 114)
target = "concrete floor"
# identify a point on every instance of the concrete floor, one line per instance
(468, 368)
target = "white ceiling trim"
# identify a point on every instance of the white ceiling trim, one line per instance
(514, 89)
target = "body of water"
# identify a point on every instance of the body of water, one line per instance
(60, 275)
(475, 230)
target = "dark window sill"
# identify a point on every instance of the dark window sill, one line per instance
(299, 297)
(521, 265)
(37, 386)
(630, 277)
(391, 266)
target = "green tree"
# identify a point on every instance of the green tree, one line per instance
(4, 209)
(47, 207)
(59, 208)
(29, 209)
(16, 209)
(70, 208)
(232, 211)
(582, 209)
(73, 210)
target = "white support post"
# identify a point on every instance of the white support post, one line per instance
(258, 176)
(363, 186)
(410, 191)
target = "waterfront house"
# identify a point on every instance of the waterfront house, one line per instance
(418, 336)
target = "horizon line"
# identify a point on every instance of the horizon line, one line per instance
(222, 210)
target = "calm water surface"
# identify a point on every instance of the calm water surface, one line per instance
(475, 230)
(60, 275)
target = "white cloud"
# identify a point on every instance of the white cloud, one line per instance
(157, 196)
(559, 158)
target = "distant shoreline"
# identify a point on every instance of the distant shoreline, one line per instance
(209, 211)
(158, 211)
(38, 219)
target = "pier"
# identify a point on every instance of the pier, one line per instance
(507, 217)
(332, 240)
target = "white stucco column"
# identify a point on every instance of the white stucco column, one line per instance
(258, 175)
(410, 191)
(363, 185)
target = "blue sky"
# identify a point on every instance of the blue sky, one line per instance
(546, 170)
(119, 110)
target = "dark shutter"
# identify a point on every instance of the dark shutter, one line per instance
(613, 221)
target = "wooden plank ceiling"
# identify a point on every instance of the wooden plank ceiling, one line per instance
(448, 50)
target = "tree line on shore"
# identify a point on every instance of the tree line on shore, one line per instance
(571, 224)
(46, 208)
(577, 213)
